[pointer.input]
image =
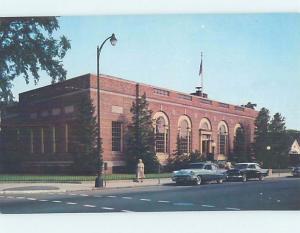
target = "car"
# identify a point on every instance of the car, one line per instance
(246, 171)
(198, 173)
(296, 171)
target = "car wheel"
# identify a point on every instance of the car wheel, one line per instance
(261, 178)
(244, 178)
(198, 180)
(220, 181)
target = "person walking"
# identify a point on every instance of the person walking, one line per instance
(140, 174)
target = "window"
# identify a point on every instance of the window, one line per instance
(55, 111)
(208, 167)
(223, 139)
(116, 129)
(185, 144)
(161, 135)
(69, 109)
(252, 166)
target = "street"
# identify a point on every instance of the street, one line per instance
(271, 194)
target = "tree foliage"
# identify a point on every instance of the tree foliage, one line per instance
(85, 139)
(179, 160)
(240, 152)
(271, 140)
(140, 137)
(27, 46)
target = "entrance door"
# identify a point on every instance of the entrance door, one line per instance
(205, 144)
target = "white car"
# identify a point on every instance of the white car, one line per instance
(198, 173)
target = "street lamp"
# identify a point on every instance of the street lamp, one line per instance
(113, 41)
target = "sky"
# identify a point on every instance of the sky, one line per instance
(246, 57)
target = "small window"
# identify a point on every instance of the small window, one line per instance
(251, 166)
(208, 167)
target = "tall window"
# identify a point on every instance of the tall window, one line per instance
(116, 129)
(161, 135)
(185, 144)
(223, 139)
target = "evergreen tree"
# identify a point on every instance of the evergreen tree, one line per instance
(240, 149)
(27, 46)
(140, 138)
(261, 139)
(85, 139)
(278, 141)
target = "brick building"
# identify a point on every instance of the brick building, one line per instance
(48, 115)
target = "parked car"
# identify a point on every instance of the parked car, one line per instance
(198, 173)
(296, 171)
(245, 171)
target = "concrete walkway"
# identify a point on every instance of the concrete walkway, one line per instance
(89, 186)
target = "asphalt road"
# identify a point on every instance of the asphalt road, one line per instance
(271, 194)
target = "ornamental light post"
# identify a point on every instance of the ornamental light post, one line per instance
(99, 179)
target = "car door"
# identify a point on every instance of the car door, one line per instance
(208, 172)
(251, 171)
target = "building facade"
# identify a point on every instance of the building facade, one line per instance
(48, 114)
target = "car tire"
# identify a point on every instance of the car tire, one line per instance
(220, 181)
(261, 178)
(244, 178)
(198, 180)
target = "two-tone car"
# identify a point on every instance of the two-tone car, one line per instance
(197, 173)
(246, 171)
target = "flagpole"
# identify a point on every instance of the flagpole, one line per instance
(202, 88)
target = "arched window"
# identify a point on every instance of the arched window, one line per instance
(223, 138)
(161, 131)
(205, 146)
(184, 135)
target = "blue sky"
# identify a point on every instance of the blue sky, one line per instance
(247, 57)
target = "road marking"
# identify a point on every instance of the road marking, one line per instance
(278, 200)
(71, 203)
(229, 208)
(208, 206)
(111, 196)
(2, 196)
(57, 201)
(31, 199)
(260, 193)
(97, 196)
(90, 206)
(127, 197)
(142, 199)
(84, 195)
(43, 200)
(107, 208)
(183, 203)
(127, 211)
(20, 197)
(72, 194)
(10, 197)
(163, 201)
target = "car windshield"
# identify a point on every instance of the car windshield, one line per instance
(241, 166)
(196, 166)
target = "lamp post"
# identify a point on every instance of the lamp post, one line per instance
(113, 41)
(270, 169)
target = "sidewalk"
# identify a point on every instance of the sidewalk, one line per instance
(12, 188)
(71, 187)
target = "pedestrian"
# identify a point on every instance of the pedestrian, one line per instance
(140, 174)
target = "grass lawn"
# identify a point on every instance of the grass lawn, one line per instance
(72, 179)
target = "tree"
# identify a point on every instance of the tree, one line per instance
(261, 139)
(27, 46)
(240, 148)
(85, 139)
(140, 137)
(278, 141)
